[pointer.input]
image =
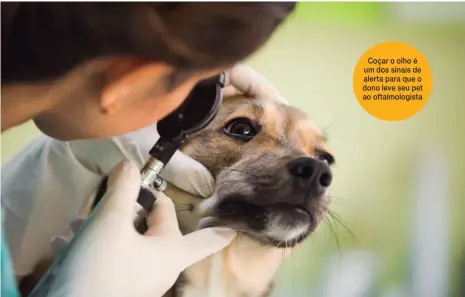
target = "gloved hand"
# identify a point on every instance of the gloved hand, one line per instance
(108, 257)
(244, 80)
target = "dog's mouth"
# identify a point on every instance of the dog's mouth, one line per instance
(282, 225)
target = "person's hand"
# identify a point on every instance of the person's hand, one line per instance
(244, 80)
(107, 257)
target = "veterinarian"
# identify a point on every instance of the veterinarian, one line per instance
(95, 70)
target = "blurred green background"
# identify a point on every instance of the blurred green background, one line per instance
(311, 60)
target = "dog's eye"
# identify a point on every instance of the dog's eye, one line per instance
(325, 157)
(241, 128)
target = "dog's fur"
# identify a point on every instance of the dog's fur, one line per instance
(254, 194)
(252, 178)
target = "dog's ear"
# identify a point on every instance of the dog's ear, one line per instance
(243, 80)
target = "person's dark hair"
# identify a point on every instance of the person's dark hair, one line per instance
(45, 40)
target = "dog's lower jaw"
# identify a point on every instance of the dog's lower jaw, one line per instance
(246, 269)
(274, 235)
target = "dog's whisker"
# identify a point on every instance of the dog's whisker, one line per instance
(328, 224)
(278, 245)
(313, 241)
(326, 129)
(339, 220)
(330, 220)
(334, 234)
(340, 200)
(337, 198)
(245, 172)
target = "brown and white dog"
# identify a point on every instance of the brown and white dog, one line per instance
(273, 177)
(272, 170)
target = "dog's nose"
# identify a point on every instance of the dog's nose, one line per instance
(311, 173)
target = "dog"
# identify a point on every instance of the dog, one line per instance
(272, 167)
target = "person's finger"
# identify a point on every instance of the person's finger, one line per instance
(162, 218)
(189, 175)
(241, 77)
(76, 224)
(58, 243)
(246, 80)
(205, 242)
(122, 192)
(230, 91)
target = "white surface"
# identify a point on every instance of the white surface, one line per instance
(350, 275)
(430, 226)
(430, 13)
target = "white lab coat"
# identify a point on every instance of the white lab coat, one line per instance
(49, 182)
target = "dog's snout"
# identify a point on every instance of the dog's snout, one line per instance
(311, 173)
